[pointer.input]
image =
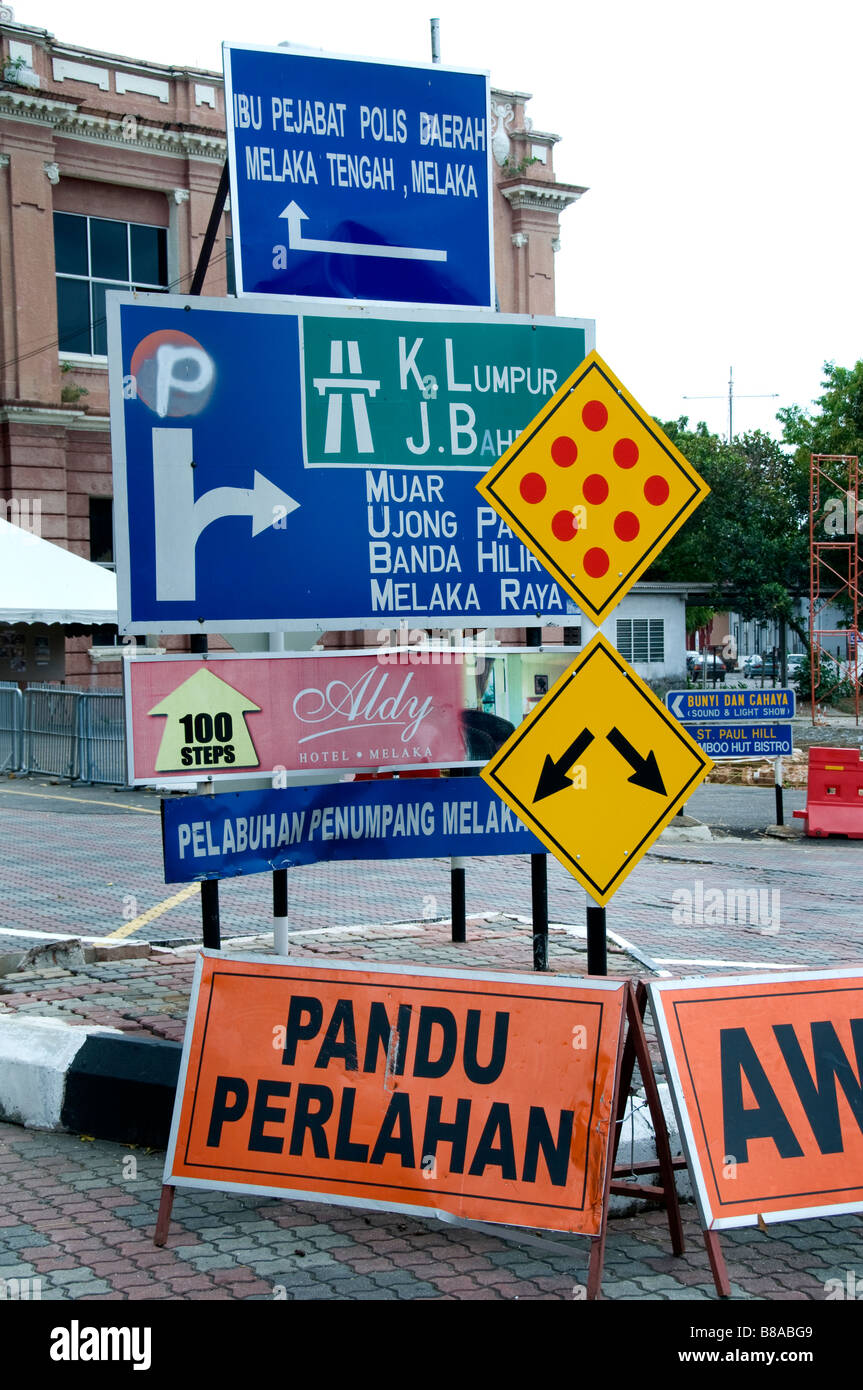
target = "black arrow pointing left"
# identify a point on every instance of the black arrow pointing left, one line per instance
(553, 777)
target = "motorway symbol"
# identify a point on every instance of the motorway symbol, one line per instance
(298, 242)
(594, 488)
(340, 165)
(600, 800)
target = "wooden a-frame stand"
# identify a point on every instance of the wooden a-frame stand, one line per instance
(665, 1192)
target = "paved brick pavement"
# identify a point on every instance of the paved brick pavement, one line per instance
(79, 1217)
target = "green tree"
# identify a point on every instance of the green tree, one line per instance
(749, 539)
(837, 427)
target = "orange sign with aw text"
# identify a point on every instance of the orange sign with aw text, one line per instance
(766, 1073)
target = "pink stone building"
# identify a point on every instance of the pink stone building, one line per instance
(108, 170)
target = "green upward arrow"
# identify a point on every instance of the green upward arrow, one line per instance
(207, 694)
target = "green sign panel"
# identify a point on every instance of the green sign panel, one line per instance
(429, 391)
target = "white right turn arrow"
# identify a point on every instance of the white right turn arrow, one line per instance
(180, 519)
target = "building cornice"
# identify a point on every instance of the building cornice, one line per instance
(45, 415)
(542, 197)
(69, 121)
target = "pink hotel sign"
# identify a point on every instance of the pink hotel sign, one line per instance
(193, 718)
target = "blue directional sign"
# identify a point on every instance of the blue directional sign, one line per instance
(707, 706)
(284, 466)
(417, 818)
(744, 740)
(354, 179)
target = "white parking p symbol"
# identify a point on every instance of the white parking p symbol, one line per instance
(184, 368)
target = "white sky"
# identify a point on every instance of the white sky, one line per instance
(720, 144)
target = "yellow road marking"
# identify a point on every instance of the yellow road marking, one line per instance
(84, 800)
(153, 912)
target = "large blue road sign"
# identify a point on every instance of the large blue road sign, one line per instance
(354, 179)
(745, 740)
(416, 818)
(285, 466)
(707, 706)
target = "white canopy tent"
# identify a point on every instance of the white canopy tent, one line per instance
(43, 583)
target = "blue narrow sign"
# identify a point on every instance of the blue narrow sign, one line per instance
(355, 179)
(413, 818)
(705, 706)
(744, 740)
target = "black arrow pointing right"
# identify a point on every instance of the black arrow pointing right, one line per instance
(553, 777)
(645, 771)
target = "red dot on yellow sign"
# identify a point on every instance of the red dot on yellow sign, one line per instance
(594, 488)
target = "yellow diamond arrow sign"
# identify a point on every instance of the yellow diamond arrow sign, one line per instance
(598, 769)
(594, 488)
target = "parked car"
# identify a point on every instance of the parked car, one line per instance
(715, 668)
(795, 662)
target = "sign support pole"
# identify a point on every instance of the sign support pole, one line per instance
(457, 898)
(280, 911)
(597, 961)
(539, 899)
(210, 914)
(211, 233)
(777, 779)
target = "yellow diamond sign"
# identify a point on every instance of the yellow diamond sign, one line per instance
(598, 769)
(594, 488)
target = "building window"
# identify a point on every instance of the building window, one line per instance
(101, 531)
(94, 255)
(641, 639)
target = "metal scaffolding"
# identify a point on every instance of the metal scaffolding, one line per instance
(834, 495)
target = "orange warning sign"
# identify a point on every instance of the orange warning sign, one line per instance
(594, 488)
(486, 1096)
(766, 1073)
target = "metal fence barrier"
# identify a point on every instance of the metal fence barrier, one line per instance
(11, 725)
(102, 737)
(79, 734)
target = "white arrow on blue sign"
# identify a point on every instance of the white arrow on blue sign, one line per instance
(705, 706)
(359, 179)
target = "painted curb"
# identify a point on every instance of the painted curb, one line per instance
(95, 1081)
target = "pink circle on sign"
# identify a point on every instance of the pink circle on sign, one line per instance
(594, 415)
(564, 526)
(596, 563)
(595, 489)
(532, 487)
(564, 451)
